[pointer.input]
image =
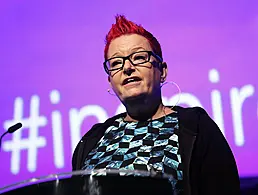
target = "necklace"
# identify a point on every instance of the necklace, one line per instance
(164, 112)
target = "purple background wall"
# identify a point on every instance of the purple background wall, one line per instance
(52, 79)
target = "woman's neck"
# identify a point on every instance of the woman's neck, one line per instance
(144, 112)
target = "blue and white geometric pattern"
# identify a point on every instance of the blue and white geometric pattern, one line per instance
(149, 145)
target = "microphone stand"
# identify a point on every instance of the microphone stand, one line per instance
(2, 138)
(10, 130)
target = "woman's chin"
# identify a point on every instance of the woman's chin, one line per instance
(134, 96)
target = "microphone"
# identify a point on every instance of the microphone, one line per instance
(10, 130)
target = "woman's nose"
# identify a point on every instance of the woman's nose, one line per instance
(128, 67)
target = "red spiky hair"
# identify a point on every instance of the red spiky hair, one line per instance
(123, 27)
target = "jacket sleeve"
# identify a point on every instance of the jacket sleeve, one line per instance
(218, 170)
(84, 146)
(75, 157)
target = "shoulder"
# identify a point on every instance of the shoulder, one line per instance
(190, 111)
(196, 120)
(191, 117)
(100, 128)
(92, 131)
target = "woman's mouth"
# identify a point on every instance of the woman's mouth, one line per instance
(131, 81)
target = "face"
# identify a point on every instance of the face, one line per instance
(133, 81)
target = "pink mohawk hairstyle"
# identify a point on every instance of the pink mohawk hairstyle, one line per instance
(125, 27)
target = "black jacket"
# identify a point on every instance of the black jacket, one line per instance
(209, 166)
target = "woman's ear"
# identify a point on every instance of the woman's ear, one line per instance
(164, 72)
(109, 81)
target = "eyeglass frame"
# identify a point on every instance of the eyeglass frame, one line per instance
(150, 53)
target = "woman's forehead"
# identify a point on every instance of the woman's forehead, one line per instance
(127, 44)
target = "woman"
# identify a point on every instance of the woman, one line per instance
(183, 142)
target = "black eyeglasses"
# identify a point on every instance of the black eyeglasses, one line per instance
(136, 58)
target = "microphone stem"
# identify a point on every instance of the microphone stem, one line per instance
(2, 138)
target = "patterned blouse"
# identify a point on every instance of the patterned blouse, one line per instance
(147, 145)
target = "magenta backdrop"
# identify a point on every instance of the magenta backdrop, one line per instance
(52, 78)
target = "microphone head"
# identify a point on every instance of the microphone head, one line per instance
(14, 127)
